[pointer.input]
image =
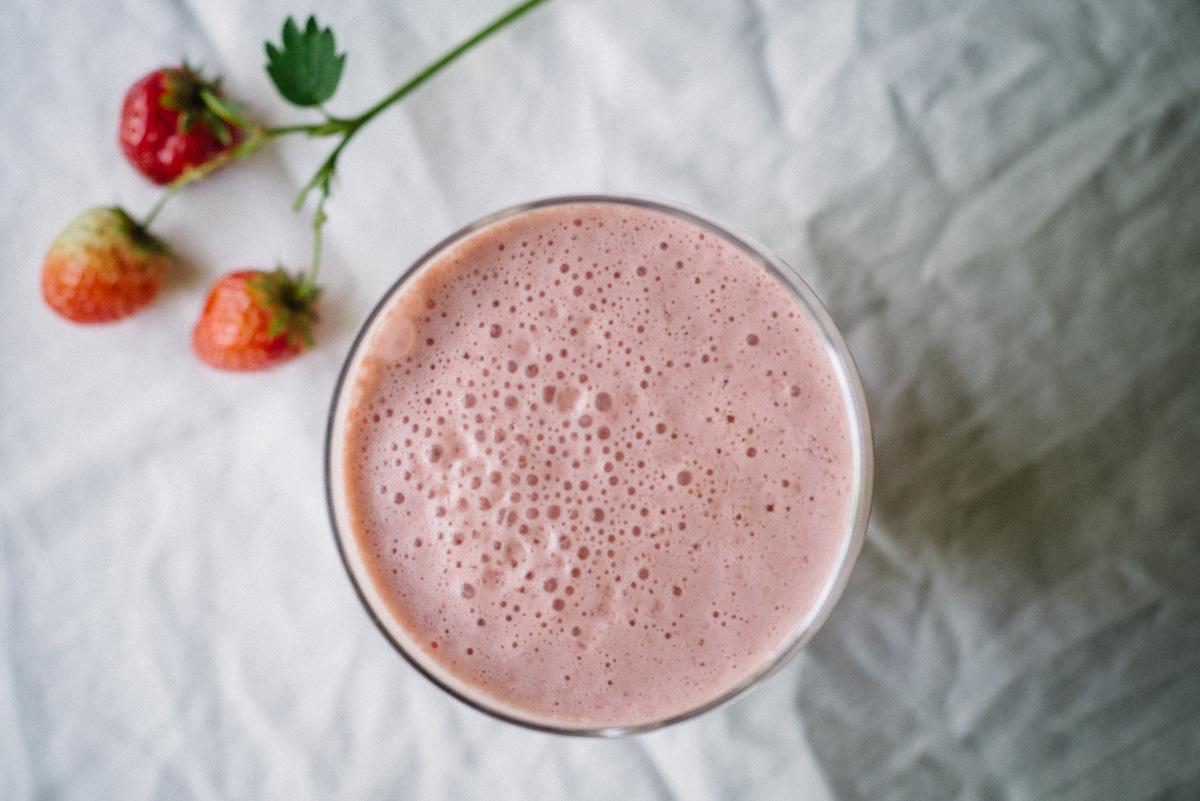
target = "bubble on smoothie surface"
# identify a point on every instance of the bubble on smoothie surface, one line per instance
(602, 462)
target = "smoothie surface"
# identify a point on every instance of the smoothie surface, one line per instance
(597, 462)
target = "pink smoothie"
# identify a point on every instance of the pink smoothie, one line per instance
(596, 464)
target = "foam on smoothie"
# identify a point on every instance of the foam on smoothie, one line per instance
(597, 462)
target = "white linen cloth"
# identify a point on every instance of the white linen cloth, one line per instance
(999, 203)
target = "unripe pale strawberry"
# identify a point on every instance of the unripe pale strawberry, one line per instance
(103, 266)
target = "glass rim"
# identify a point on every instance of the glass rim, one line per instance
(859, 425)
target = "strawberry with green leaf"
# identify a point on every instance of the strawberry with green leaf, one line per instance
(255, 319)
(174, 120)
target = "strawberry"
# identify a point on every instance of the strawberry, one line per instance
(173, 120)
(255, 319)
(103, 266)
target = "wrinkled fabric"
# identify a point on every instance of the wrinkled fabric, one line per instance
(998, 202)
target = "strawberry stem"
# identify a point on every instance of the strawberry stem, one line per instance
(319, 218)
(437, 66)
(313, 129)
(158, 206)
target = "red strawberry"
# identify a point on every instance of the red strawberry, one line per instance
(255, 319)
(167, 126)
(103, 266)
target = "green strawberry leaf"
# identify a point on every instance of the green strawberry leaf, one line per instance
(307, 68)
